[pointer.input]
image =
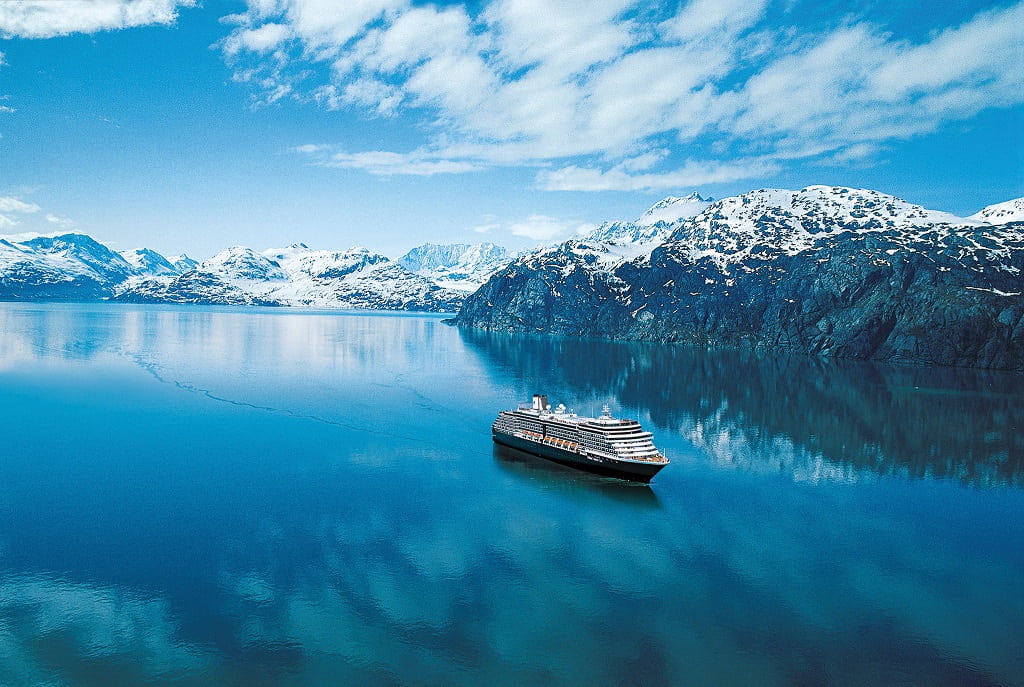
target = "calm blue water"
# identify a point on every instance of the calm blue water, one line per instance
(246, 497)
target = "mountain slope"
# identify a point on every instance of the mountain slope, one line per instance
(459, 266)
(61, 267)
(146, 261)
(655, 224)
(824, 270)
(297, 276)
(193, 287)
(356, 278)
(1001, 213)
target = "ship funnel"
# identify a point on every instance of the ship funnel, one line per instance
(540, 402)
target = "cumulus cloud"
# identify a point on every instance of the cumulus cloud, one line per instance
(592, 93)
(13, 211)
(534, 227)
(544, 228)
(11, 204)
(10, 207)
(47, 18)
(623, 178)
(60, 221)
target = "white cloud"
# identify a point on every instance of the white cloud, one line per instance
(261, 39)
(46, 18)
(386, 163)
(12, 204)
(541, 228)
(717, 20)
(858, 87)
(544, 228)
(13, 211)
(60, 221)
(624, 178)
(592, 93)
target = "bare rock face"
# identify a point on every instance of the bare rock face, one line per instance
(825, 270)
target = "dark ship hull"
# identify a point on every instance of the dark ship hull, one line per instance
(635, 471)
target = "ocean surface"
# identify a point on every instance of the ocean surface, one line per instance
(197, 496)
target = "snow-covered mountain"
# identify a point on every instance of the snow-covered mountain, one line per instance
(672, 209)
(655, 224)
(82, 254)
(459, 266)
(356, 278)
(297, 276)
(192, 287)
(77, 267)
(1000, 213)
(617, 242)
(65, 266)
(773, 221)
(72, 266)
(149, 262)
(182, 263)
(824, 270)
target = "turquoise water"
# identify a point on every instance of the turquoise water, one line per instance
(246, 497)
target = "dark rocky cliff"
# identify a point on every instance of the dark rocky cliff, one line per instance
(858, 277)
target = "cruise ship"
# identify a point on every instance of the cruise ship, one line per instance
(605, 445)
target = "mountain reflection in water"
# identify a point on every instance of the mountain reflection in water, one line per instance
(813, 418)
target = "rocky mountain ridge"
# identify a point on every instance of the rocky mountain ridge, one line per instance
(823, 270)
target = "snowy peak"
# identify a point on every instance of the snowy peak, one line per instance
(148, 262)
(776, 220)
(83, 251)
(655, 224)
(1001, 213)
(182, 263)
(300, 259)
(672, 209)
(620, 232)
(239, 262)
(459, 266)
(60, 266)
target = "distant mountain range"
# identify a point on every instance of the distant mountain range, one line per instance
(77, 267)
(823, 270)
(295, 276)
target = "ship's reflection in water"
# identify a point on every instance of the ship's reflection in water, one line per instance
(811, 417)
(195, 496)
(573, 483)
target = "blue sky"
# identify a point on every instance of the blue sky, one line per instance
(189, 127)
